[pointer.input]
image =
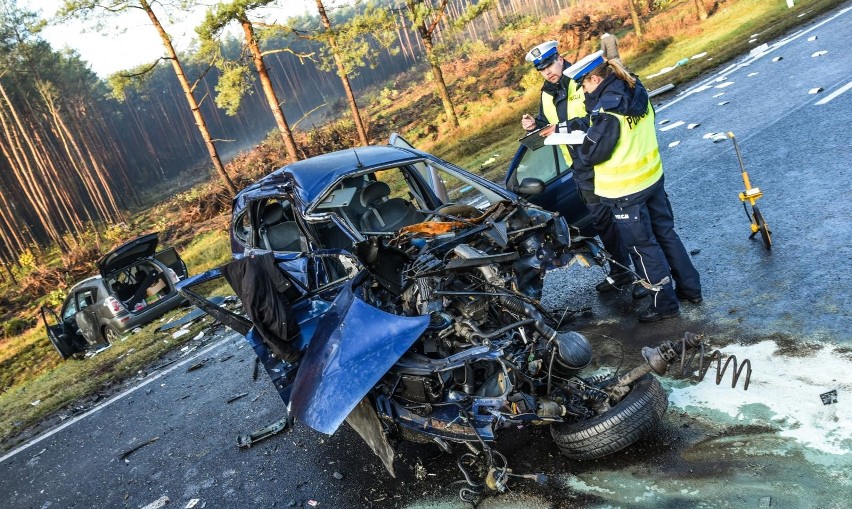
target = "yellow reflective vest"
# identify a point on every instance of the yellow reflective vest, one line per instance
(635, 163)
(576, 107)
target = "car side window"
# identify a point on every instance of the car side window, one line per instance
(70, 308)
(463, 190)
(545, 163)
(86, 298)
(242, 226)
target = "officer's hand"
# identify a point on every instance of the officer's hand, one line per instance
(547, 131)
(527, 122)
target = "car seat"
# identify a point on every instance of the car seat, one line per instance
(122, 290)
(277, 233)
(145, 279)
(385, 214)
(355, 209)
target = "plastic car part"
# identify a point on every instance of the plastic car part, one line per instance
(246, 441)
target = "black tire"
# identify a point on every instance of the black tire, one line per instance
(763, 228)
(639, 412)
(109, 334)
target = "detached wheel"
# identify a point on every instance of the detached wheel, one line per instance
(639, 412)
(763, 228)
(110, 334)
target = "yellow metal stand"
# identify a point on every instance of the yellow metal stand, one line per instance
(751, 194)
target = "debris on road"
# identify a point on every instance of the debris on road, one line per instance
(238, 396)
(819, 53)
(179, 333)
(135, 448)
(692, 126)
(246, 441)
(674, 143)
(723, 103)
(197, 365)
(337, 475)
(829, 397)
(815, 90)
(157, 504)
(192, 503)
(777, 59)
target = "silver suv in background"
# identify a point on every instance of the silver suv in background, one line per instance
(136, 285)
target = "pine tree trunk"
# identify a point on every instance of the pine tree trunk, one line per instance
(426, 34)
(701, 10)
(449, 109)
(193, 104)
(24, 171)
(344, 79)
(271, 98)
(634, 14)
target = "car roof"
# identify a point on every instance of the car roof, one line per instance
(311, 177)
(86, 282)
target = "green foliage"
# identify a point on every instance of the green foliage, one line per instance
(387, 96)
(207, 251)
(136, 79)
(234, 83)
(472, 49)
(27, 260)
(55, 298)
(357, 41)
(472, 12)
(116, 232)
(14, 326)
(513, 23)
(531, 80)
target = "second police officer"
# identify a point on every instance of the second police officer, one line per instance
(562, 100)
(621, 145)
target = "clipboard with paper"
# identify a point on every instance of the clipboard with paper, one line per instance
(533, 140)
(572, 138)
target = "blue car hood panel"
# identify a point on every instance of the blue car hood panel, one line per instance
(353, 347)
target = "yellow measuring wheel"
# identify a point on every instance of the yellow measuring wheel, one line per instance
(751, 194)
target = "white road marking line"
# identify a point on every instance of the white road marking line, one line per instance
(670, 127)
(834, 94)
(112, 400)
(733, 67)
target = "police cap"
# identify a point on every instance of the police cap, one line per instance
(584, 66)
(543, 55)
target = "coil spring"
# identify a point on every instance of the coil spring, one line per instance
(686, 368)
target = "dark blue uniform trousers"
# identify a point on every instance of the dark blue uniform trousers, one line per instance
(645, 223)
(606, 228)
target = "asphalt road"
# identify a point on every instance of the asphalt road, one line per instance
(173, 433)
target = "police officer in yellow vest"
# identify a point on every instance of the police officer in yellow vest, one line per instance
(621, 145)
(562, 100)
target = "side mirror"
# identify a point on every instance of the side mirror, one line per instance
(530, 186)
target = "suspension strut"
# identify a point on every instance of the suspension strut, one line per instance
(687, 349)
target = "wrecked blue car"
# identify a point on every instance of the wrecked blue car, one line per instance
(385, 287)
